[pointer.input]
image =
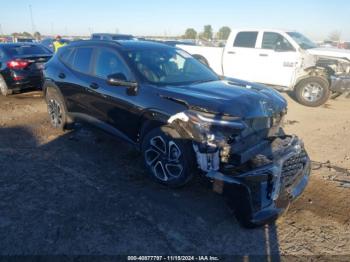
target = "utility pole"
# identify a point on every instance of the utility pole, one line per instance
(52, 29)
(31, 19)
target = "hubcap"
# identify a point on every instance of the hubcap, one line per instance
(55, 112)
(312, 92)
(164, 159)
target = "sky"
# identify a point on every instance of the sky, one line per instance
(316, 19)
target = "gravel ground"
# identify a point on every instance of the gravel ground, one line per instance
(84, 192)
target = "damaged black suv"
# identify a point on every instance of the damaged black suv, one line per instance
(184, 119)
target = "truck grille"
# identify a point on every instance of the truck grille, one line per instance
(292, 167)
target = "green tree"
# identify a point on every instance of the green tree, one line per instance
(224, 33)
(37, 36)
(190, 34)
(208, 32)
(26, 34)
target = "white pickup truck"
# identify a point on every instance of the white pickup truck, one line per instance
(286, 60)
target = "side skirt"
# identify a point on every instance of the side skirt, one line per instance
(102, 125)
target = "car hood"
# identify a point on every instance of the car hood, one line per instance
(231, 97)
(330, 52)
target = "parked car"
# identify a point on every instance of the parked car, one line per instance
(285, 60)
(23, 40)
(184, 119)
(21, 66)
(48, 43)
(113, 37)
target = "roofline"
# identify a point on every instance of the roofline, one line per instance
(111, 34)
(114, 43)
(263, 29)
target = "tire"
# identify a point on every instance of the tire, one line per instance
(4, 90)
(56, 108)
(168, 159)
(313, 91)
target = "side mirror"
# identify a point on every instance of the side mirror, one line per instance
(120, 79)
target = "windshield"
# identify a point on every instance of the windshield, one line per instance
(165, 66)
(302, 40)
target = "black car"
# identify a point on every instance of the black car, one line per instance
(184, 119)
(21, 66)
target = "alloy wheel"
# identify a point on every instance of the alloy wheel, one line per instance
(55, 112)
(163, 158)
(312, 92)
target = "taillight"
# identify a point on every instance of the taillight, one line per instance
(17, 64)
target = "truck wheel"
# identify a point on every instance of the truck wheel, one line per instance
(201, 59)
(168, 158)
(3, 87)
(56, 108)
(312, 91)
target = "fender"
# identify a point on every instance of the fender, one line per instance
(322, 72)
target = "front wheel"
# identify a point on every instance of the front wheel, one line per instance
(168, 158)
(312, 91)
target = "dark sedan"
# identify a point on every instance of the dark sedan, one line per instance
(21, 66)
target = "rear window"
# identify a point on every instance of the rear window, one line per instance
(23, 50)
(246, 39)
(66, 55)
(82, 59)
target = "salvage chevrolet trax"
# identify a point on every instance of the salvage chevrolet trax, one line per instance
(184, 119)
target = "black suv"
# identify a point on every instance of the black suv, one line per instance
(184, 119)
(21, 66)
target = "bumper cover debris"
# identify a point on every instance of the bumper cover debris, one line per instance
(341, 84)
(264, 192)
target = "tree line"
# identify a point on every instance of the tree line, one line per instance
(208, 33)
(36, 35)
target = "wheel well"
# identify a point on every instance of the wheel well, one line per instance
(147, 126)
(320, 72)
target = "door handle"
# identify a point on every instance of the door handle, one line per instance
(231, 52)
(263, 55)
(94, 86)
(62, 75)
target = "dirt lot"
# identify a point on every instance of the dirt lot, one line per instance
(83, 192)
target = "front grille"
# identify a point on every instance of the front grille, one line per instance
(292, 167)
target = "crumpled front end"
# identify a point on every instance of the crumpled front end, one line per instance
(250, 161)
(263, 188)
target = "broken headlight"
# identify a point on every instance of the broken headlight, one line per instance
(213, 130)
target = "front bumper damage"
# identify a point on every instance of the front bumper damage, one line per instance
(340, 84)
(252, 162)
(265, 190)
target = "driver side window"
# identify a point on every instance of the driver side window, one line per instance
(275, 41)
(108, 62)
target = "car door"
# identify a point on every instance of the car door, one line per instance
(75, 80)
(277, 60)
(239, 59)
(116, 104)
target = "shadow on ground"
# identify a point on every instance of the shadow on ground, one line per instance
(86, 193)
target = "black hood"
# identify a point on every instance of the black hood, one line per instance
(231, 97)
